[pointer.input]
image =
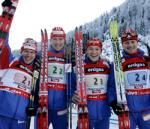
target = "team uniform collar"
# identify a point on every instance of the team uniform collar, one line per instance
(22, 60)
(139, 53)
(55, 51)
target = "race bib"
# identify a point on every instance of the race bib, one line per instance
(22, 80)
(56, 73)
(96, 84)
(2, 72)
(137, 79)
(17, 79)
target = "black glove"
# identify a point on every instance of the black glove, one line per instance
(7, 3)
(31, 111)
(117, 108)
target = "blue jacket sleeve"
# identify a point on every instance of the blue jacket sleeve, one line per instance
(111, 91)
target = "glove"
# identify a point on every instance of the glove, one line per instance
(31, 111)
(7, 3)
(117, 108)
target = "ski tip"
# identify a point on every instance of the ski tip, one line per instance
(46, 35)
(41, 31)
(80, 28)
(113, 18)
(45, 31)
(113, 28)
(76, 29)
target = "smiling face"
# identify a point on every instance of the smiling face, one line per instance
(28, 55)
(93, 52)
(130, 46)
(57, 43)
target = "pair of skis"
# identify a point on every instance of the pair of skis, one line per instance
(36, 73)
(6, 20)
(123, 118)
(42, 119)
(42, 68)
(68, 69)
(83, 120)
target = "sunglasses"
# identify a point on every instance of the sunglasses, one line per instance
(129, 35)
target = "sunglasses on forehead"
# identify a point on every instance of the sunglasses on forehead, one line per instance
(129, 33)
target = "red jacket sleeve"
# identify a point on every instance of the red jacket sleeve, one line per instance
(4, 58)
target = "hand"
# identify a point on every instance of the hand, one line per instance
(7, 3)
(76, 99)
(117, 108)
(31, 111)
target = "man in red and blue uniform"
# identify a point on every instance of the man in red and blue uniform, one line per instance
(137, 81)
(100, 86)
(15, 85)
(60, 83)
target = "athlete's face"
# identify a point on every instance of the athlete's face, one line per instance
(28, 55)
(93, 53)
(58, 43)
(130, 46)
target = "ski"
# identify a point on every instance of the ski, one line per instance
(43, 92)
(83, 121)
(6, 20)
(124, 122)
(68, 69)
(35, 77)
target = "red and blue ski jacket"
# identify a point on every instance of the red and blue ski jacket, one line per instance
(61, 84)
(137, 81)
(100, 85)
(15, 85)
